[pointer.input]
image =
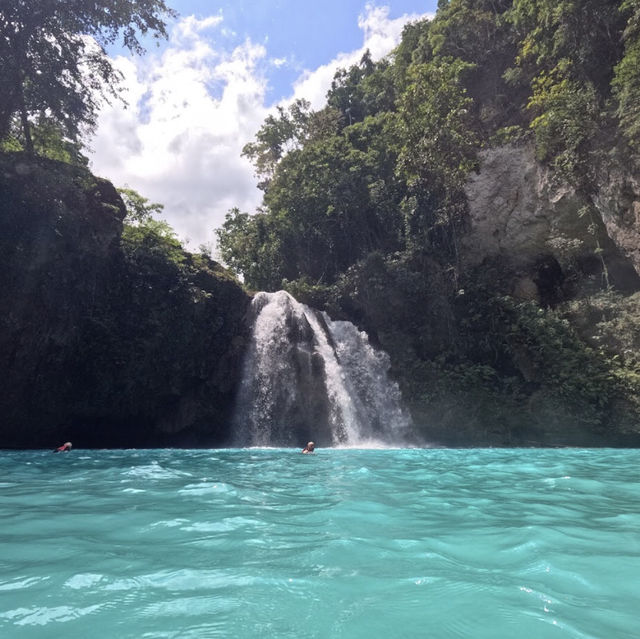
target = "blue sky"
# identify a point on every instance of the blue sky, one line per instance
(195, 100)
(305, 38)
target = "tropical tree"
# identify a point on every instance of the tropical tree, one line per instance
(251, 245)
(627, 76)
(139, 208)
(439, 150)
(53, 58)
(479, 32)
(568, 52)
(280, 133)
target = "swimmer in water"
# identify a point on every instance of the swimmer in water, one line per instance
(309, 448)
(65, 448)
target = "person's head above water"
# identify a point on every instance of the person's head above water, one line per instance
(309, 448)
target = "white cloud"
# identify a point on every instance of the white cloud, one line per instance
(190, 27)
(381, 35)
(279, 62)
(179, 142)
(192, 109)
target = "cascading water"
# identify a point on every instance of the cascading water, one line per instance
(307, 377)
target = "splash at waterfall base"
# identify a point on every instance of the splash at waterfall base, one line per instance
(308, 377)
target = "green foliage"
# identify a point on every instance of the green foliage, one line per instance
(153, 239)
(250, 246)
(436, 127)
(548, 351)
(328, 203)
(470, 29)
(438, 150)
(333, 201)
(48, 140)
(479, 33)
(414, 48)
(362, 90)
(146, 239)
(365, 207)
(509, 351)
(347, 91)
(139, 209)
(567, 54)
(626, 83)
(311, 293)
(566, 124)
(276, 137)
(583, 35)
(11, 144)
(383, 166)
(610, 324)
(381, 181)
(569, 355)
(514, 135)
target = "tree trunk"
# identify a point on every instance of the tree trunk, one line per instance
(7, 106)
(5, 124)
(26, 126)
(20, 63)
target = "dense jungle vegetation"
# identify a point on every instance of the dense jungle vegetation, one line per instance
(53, 81)
(364, 207)
(382, 166)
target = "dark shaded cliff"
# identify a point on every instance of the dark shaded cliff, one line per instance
(98, 345)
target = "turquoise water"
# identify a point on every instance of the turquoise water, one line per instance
(343, 543)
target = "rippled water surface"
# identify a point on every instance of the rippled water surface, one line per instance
(343, 543)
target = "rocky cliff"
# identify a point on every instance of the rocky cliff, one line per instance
(558, 242)
(532, 339)
(99, 346)
(551, 311)
(618, 202)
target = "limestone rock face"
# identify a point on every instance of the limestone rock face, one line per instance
(507, 214)
(521, 212)
(618, 202)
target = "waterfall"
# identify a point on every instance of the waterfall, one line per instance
(308, 377)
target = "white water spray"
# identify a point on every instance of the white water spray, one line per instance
(307, 377)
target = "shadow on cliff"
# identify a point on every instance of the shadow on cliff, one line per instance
(105, 344)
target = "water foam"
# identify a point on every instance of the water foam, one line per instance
(306, 376)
